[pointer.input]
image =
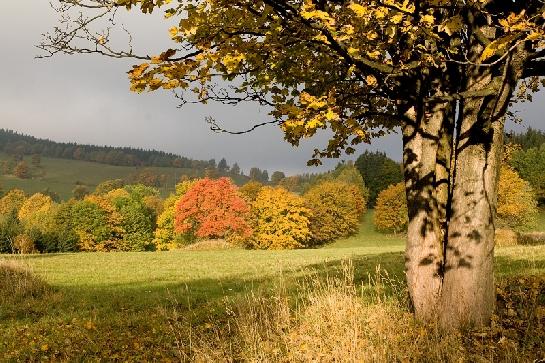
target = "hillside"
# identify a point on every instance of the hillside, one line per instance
(61, 175)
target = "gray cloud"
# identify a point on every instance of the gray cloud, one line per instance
(86, 99)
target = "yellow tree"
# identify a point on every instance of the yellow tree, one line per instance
(362, 68)
(279, 220)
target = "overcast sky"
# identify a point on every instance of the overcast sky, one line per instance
(86, 99)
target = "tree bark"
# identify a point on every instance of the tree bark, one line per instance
(426, 149)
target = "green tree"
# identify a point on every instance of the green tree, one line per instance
(277, 177)
(530, 165)
(360, 69)
(379, 172)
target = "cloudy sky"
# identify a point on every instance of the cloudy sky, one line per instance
(85, 99)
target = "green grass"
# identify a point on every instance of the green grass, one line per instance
(61, 176)
(114, 304)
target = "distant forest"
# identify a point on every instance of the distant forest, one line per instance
(17, 144)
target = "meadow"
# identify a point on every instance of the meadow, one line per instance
(62, 175)
(161, 305)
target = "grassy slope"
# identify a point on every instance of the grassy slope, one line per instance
(108, 301)
(61, 176)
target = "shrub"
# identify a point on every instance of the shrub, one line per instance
(212, 209)
(391, 213)
(280, 220)
(336, 210)
(517, 207)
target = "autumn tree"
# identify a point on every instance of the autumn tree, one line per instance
(250, 190)
(21, 170)
(517, 206)
(212, 209)
(12, 201)
(279, 220)
(166, 236)
(443, 71)
(391, 214)
(336, 208)
(530, 165)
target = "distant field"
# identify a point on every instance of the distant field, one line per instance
(61, 176)
(106, 305)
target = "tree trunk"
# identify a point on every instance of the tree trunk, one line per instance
(426, 149)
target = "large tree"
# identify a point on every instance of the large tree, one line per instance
(443, 71)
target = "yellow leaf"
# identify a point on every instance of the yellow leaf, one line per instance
(371, 80)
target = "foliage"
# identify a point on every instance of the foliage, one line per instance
(531, 139)
(277, 177)
(391, 213)
(10, 228)
(80, 192)
(212, 209)
(22, 171)
(97, 224)
(336, 210)
(12, 201)
(138, 220)
(280, 220)
(166, 237)
(379, 172)
(36, 204)
(258, 175)
(24, 244)
(250, 190)
(13, 142)
(530, 165)
(107, 186)
(517, 207)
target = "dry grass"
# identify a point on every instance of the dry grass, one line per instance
(21, 292)
(333, 321)
(506, 238)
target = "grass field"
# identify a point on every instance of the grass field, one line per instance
(106, 305)
(61, 175)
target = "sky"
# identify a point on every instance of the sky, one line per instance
(86, 99)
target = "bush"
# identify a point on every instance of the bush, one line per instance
(336, 210)
(517, 207)
(212, 209)
(280, 220)
(391, 214)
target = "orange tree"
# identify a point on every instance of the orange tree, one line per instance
(361, 68)
(280, 220)
(212, 209)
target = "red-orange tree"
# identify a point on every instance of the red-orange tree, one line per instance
(213, 209)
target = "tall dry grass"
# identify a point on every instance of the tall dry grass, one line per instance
(333, 319)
